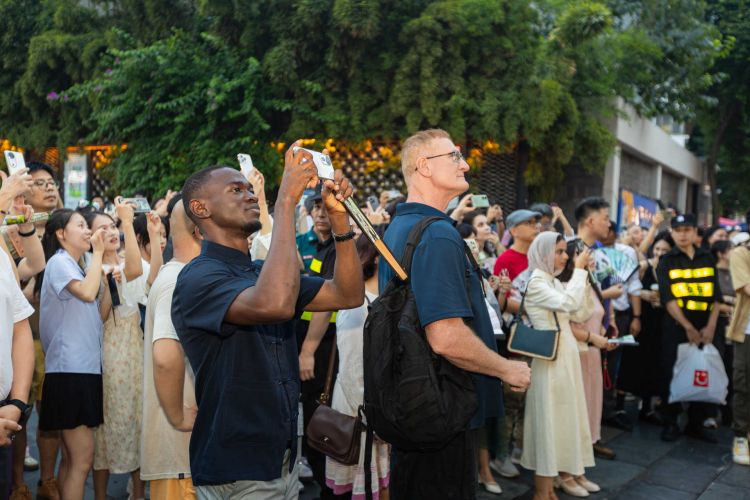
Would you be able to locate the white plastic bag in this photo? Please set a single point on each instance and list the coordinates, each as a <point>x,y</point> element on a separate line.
<point>698,375</point>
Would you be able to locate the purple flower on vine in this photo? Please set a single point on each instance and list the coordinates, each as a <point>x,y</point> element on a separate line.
<point>53,96</point>
<point>108,71</point>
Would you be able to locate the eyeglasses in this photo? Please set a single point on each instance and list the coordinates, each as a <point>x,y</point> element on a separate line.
<point>455,155</point>
<point>41,183</point>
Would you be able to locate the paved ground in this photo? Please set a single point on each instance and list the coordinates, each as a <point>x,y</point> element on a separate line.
<point>645,469</point>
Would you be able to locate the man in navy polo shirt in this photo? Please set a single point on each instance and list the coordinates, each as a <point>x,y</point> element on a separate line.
<point>235,320</point>
<point>434,169</point>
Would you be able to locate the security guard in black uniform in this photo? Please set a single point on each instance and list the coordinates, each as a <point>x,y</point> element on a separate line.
<point>689,290</point>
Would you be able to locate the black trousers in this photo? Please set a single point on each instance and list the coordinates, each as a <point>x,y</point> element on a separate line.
<point>447,474</point>
<point>5,472</point>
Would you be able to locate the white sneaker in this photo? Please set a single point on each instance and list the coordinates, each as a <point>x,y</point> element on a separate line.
<point>505,468</point>
<point>741,451</point>
<point>30,463</point>
<point>305,472</point>
<point>710,423</point>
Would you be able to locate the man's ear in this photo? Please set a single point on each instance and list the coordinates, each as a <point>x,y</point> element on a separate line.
<point>423,168</point>
<point>199,209</point>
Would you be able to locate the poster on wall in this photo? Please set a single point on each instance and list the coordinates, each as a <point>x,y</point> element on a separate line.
<point>635,209</point>
<point>75,180</point>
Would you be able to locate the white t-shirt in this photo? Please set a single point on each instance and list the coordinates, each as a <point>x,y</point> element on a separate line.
<point>164,450</point>
<point>13,308</point>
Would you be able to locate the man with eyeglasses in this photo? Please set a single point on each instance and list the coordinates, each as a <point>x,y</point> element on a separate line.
<point>44,196</point>
<point>434,170</point>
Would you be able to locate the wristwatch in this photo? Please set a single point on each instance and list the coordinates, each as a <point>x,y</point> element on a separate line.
<point>25,409</point>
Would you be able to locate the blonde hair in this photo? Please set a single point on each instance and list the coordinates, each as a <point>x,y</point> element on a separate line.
<point>413,146</point>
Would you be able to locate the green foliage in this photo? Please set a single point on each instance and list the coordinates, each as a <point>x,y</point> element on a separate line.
<point>181,104</point>
<point>188,83</point>
<point>724,117</point>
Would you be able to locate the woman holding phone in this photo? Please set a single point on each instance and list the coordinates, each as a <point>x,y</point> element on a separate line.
<point>70,325</point>
<point>117,440</point>
<point>556,435</point>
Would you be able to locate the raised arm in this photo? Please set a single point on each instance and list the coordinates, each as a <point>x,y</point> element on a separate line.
<point>87,289</point>
<point>347,288</point>
<point>153,225</point>
<point>274,296</point>
<point>133,266</point>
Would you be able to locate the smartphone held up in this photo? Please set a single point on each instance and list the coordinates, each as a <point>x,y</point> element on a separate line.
<point>325,170</point>
<point>15,161</point>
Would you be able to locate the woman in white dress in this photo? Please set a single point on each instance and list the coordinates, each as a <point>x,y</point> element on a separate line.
<point>557,439</point>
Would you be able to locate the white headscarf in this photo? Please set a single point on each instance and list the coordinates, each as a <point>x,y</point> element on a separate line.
<point>542,253</point>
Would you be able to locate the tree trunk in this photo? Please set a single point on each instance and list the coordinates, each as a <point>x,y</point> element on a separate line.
<point>725,118</point>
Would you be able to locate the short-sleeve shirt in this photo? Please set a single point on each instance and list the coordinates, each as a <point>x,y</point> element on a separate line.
<point>690,282</point>
<point>70,328</point>
<point>439,273</point>
<point>317,256</point>
<point>515,262</point>
<point>246,376</point>
<point>13,308</point>
<point>164,450</point>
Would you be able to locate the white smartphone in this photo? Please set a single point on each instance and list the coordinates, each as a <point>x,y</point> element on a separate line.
<point>246,164</point>
<point>480,201</point>
<point>322,163</point>
<point>15,161</point>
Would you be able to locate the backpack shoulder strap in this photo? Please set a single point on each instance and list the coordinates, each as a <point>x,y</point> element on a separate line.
<point>415,236</point>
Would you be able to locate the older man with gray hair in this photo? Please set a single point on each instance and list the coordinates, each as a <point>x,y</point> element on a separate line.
<point>434,170</point>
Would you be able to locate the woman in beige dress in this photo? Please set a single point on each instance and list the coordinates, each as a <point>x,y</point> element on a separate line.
<point>117,440</point>
<point>557,439</point>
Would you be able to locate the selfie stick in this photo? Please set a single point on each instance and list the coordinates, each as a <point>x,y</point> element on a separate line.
<point>364,224</point>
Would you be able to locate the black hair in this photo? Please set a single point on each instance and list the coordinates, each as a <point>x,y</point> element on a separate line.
<point>663,235</point>
<point>90,215</point>
<point>58,219</point>
<point>140,226</point>
<point>368,253</point>
<point>466,230</point>
<point>707,236</point>
<point>192,189</point>
<point>36,166</point>
<point>720,247</point>
<point>470,216</point>
<point>567,273</point>
<point>588,205</point>
<point>543,208</point>
<point>170,206</point>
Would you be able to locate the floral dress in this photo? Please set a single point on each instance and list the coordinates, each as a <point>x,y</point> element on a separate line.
<point>117,440</point>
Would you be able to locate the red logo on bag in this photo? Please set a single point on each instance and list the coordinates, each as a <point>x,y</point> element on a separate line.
<point>700,378</point>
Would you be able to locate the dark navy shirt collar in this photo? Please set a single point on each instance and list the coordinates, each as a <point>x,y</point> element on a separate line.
<point>413,208</point>
<point>224,253</point>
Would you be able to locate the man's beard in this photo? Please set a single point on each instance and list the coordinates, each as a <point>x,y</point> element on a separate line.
<point>252,227</point>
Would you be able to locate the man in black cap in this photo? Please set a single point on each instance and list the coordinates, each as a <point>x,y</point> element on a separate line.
<point>689,289</point>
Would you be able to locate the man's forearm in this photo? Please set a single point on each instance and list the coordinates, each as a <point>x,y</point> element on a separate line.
<point>280,274</point>
<point>315,331</point>
<point>463,348</point>
<point>22,356</point>
<point>347,271</point>
<point>635,301</point>
<point>169,378</point>
<point>33,262</point>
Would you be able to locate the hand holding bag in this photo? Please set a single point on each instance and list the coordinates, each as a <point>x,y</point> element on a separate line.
<point>698,375</point>
<point>530,341</point>
<point>333,433</point>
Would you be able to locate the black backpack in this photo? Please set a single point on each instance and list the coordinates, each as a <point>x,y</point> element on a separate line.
<point>413,398</point>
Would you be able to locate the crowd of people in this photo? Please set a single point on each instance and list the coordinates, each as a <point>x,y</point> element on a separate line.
<point>189,346</point>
